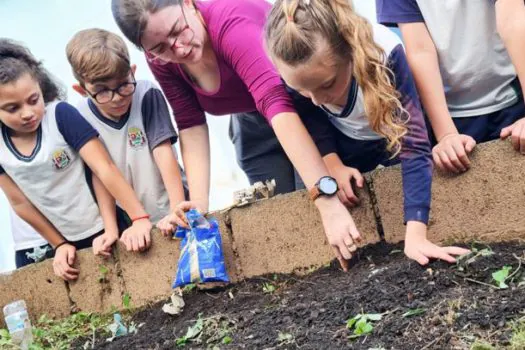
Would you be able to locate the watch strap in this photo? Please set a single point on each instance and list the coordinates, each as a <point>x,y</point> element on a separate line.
<point>314,192</point>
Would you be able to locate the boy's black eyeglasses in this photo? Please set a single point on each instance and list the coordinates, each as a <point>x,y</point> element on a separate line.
<point>106,95</point>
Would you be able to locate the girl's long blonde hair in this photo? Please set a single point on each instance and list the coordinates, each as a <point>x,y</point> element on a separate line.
<point>292,31</point>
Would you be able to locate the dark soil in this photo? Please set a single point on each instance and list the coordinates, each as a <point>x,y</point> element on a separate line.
<point>311,311</point>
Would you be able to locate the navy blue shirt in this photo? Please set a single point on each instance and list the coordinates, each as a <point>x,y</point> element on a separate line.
<point>415,155</point>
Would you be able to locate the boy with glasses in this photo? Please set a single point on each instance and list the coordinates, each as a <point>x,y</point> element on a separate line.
<point>134,123</point>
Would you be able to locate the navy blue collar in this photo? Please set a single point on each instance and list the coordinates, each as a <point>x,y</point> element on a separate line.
<point>350,102</point>
<point>12,148</point>
<point>115,125</point>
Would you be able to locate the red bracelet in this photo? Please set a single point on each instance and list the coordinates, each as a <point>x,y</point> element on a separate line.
<point>140,218</point>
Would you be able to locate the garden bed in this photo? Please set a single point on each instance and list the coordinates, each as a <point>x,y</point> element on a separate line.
<point>440,306</point>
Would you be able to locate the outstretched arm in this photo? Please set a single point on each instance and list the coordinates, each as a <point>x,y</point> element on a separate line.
<point>65,253</point>
<point>510,17</point>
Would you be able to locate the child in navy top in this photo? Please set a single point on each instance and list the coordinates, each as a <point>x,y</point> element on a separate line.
<point>43,146</point>
<point>369,109</point>
<point>134,123</point>
<point>466,57</point>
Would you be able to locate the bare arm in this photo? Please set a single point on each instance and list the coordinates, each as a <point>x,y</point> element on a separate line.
<point>98,159</point>
<point>451,151</point>
<point>106,204</point>
<point>65,254</point>
<point>195,148</point>
<point>137,237</point>
<point>423,59</point>
<point>510,17</point>
<point>169,171</point>
<point>28,212</point>
<point>300,148</point>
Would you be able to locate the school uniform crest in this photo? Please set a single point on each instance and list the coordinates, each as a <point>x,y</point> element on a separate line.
<point>136,137</point>
<point>61,159</point>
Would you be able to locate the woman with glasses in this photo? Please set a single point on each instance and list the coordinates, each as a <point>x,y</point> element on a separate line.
<point>209,57</point>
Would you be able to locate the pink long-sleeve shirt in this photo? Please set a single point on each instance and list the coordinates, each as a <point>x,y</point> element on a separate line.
<point>248,80</point>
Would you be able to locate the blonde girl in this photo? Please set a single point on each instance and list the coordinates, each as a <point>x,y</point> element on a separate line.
<point>357,73</point>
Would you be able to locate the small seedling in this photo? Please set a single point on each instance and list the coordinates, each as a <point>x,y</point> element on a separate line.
<point>362,324</point>
<point>5,340</point>
<point>471,257</point>
<point>501,276</point>
<point>227,340</point>
<point>126,301</point>
<point>268,288</point>
<point>192,333</point>
<point>517,341</point>
<point>189,287</point>
<point>481,345</point>
<point>395,251</point>
<point>413,312</point>
<point>285,338</point>
<point>103,270</point>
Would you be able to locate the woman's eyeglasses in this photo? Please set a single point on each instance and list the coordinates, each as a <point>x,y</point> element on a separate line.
<point>181,40</point>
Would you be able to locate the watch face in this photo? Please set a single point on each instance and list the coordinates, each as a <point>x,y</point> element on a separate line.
<point>328,185</point>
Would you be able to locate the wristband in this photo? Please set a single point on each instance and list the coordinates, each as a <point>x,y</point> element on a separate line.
<point>140,218</point>
<point>60,245</point>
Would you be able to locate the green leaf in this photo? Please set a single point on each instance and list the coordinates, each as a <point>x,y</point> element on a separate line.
<point>126,301</point>
<point>350,323</point>
<point>4,333</point>
<point>486,252</point>
<point>374,317</point>
<point>363,327</point>
<point>268,288</point>
<point>189,287</point>
<point>501,276</point>
<point>227,340</point>
<point>195,329</point>
<point>103,270</point>
<point>413,312</point>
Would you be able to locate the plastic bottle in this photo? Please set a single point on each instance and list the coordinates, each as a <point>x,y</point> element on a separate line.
<point>18,324</point>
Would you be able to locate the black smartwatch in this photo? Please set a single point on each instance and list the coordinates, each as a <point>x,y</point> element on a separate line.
<point>326,186</point>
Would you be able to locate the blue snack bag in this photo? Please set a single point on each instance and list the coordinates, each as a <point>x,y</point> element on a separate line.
<point>201,258</point>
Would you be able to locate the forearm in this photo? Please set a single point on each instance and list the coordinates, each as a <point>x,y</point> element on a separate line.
<point>113,180</point>
<point>106,205</point>
<point>425,67</point>
<point>166,161</point>
<point>30,214</point>
<point>299,147</point>
<point>332,162</point>
<point>195,149</point>
<point>424,64</point>
<point>510,17</point>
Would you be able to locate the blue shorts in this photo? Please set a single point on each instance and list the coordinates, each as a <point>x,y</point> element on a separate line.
<point>23,257</point>
<point>487,127</point>
<point>364,155</point>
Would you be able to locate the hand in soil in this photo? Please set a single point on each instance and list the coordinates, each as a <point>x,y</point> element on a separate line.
<point>137,238</point>
<point>103,243</point>
<point>340,228</point>
<point>420,249</point>
<point>63,262</point>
